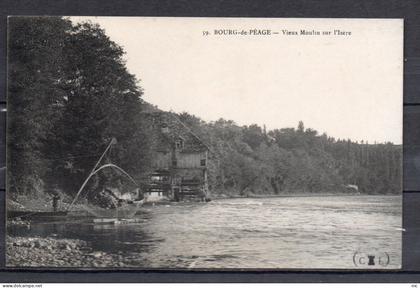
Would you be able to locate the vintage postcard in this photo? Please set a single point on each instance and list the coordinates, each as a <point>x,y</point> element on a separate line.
<point>204,143</point>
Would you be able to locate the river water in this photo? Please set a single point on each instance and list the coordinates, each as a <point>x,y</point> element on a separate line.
<point>328,232</point>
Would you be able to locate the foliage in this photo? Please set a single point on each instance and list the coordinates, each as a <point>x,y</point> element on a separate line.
<point>251,160</point>
<point>35,69</point>
<point>70,94</point>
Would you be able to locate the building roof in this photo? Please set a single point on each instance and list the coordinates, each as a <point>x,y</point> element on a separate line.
<point>167,128</point>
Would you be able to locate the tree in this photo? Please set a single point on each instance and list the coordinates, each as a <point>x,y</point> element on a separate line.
<point>102,102</point>
<point>301,127</point>
<point>69,95</point>
<point>253,135</point>
<point>34,92</point>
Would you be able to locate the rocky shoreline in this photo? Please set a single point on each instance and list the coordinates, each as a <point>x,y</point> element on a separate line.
<point>52,252</point>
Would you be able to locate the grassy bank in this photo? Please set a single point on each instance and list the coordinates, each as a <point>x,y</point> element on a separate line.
<point>41,202</point>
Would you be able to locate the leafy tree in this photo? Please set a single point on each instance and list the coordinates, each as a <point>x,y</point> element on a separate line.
<point>253,135</point>
<point>69,95</point>
<point>35,62</point>
<point>102,102</point>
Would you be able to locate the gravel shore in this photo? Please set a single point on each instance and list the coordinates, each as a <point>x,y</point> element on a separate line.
<point>52,252</point>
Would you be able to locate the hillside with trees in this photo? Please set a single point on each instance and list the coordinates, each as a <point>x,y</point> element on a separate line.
<point>250,160</point>
<point>70,93</point>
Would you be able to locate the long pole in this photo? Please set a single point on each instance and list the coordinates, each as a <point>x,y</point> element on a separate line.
<point>113,141</point>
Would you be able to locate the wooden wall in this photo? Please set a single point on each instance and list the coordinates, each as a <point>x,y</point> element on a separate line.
<point>163,160</point>
<point>191,160</point>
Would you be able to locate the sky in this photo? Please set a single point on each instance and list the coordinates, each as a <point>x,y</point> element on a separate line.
<point>348,86</point>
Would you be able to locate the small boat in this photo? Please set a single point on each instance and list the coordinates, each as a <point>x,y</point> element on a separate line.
<point>115,221</point>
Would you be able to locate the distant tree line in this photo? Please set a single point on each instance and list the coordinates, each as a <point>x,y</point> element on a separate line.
<point>70,93</point>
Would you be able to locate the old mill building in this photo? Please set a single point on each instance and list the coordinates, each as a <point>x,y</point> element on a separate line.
<point>179,160</point>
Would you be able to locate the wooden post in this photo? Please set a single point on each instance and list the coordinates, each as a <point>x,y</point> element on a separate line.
<point>206,187</point>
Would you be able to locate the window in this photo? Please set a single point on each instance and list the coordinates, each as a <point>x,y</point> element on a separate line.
<point>179,144</point>
<point>174,163</point>
<point>203,162</point>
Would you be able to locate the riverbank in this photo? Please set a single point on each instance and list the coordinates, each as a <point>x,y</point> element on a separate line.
<point>42,203</point>
<point>52,252</point>
<point>39,201</point>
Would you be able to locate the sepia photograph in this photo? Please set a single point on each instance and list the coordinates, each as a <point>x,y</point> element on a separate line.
<point>204,143</point>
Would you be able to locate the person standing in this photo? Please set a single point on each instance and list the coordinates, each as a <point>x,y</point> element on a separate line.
<point>55,200</point>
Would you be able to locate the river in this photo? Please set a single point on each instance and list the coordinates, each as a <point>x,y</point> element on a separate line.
<point>330,232</point>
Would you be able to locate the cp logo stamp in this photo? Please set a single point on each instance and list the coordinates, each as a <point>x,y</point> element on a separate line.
<point>372,259</point>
